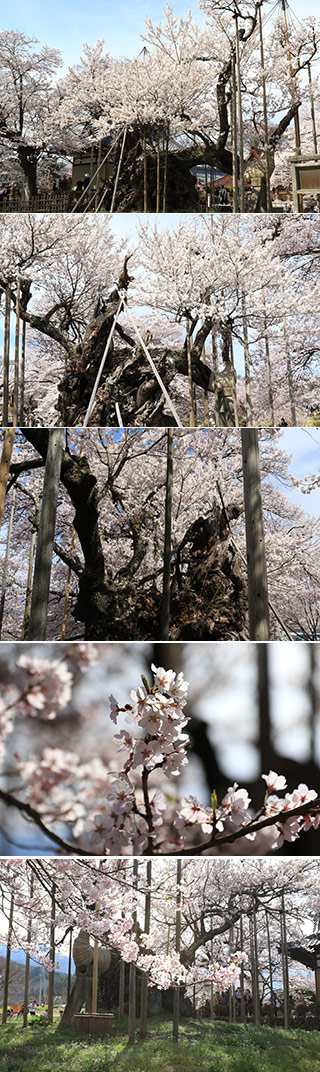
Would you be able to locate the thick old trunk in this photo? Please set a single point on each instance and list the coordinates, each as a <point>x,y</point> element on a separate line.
<point>28,160</point>
<point>208,590</point>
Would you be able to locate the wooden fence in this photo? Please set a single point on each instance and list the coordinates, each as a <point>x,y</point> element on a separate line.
<point>43,202</point>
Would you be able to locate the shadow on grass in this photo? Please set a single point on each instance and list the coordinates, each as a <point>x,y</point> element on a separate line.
<point>204,1046</point>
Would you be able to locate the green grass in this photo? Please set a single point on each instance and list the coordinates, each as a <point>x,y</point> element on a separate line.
<point>203,1047</point>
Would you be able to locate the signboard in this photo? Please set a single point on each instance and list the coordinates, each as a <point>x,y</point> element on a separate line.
<point>305,177</point>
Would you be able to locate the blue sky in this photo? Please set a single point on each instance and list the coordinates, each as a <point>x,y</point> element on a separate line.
<point>67,25</point>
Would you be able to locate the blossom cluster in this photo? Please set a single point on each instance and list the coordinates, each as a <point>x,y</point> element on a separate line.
<point>116,811</point>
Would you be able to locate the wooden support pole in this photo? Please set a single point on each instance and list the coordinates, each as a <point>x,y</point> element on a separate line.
<point>52,955</point>
<point>133,970</point>
<point>267,352</point>
<point>27,967</point>
<point>206,400</point>
<point>269,958</point>
<point>121,990</point>
<point>191,406</point>
<point>256,559</point>
<point>6,358</point>
<point>215,372</point>
<point>246,359</point>
<point>5,463</point>
<point>242,1003</point>
<point>15,407</point>
<point>285,971</point>
<point>235,179</point>
<point>165,173</point>
<point>33,540</point>
<point>6,560</point>
<point>240,122</point>
<point>234,379</point>
<point>43,562</point>
<point>22,373</point>
<point>296,118</point>
<point>96,199</point>
<point>256,995</point>
<point>144,980</point>
<point>145,175</point>
<point>287,342</point>
<point>165,602</point>
<point>265,113</point>
<point>265,745</point>
<point>176,992</point>
<point>69,964</point>
<point>67,592</point>
<point>7,967</point>
<point>158,173</point>
<point>95,971</point>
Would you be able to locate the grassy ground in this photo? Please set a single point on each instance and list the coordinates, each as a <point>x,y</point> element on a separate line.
<point>203,1047</point>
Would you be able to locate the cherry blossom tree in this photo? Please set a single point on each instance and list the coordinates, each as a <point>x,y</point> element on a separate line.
<point>29,100</point>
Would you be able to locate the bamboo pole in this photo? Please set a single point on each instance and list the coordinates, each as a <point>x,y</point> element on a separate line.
<point>43,560</point>
<point>7,967</point>
<point>287,342</point>
<point>240,123</point>
<point>52,955</point>
<point>144,980</point>
<point>265,113</point>
<point>5,463</point>
<point>15,407</point>
<point>176,992</point>
<point>6,358</point>
<point>6,560</point>
<point>235,199</point>
<point>102,364</point>
<point>132,969</point>
<point>191,405</point>
<point>27,967</point>
<point>165,602</point>
<point>256,559</point>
